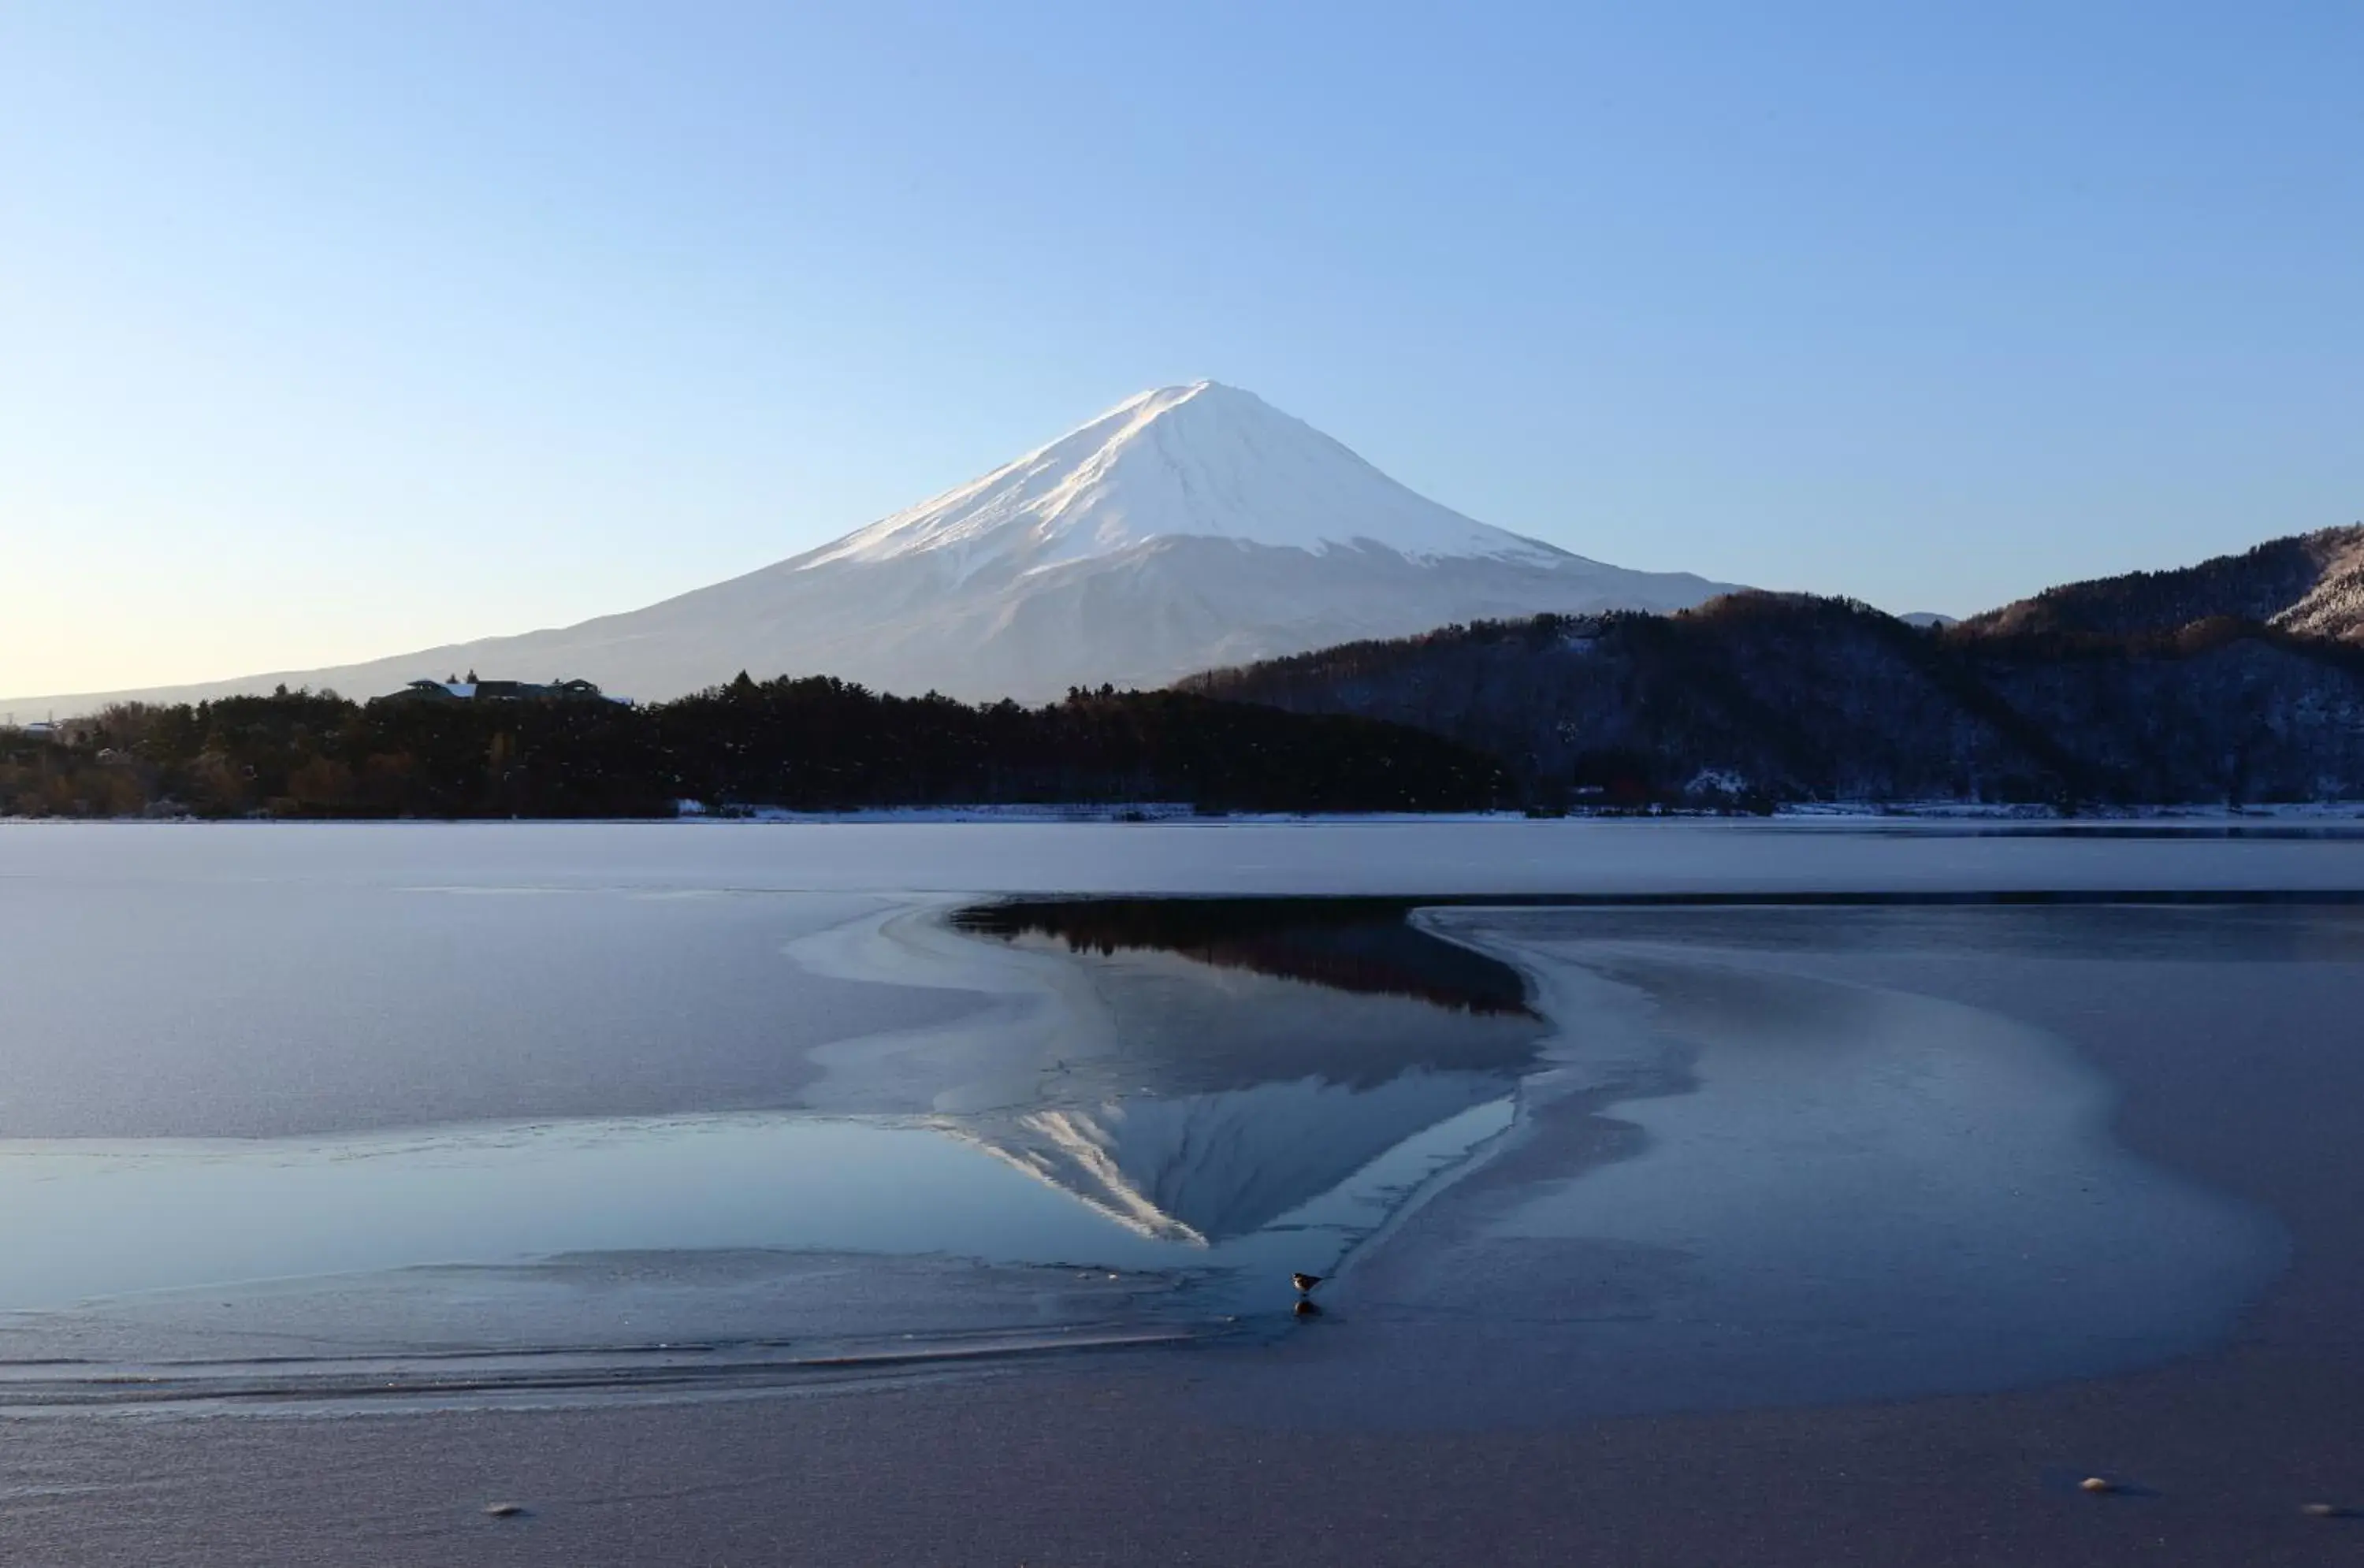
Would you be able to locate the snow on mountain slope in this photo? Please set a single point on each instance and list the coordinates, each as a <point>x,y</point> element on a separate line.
<point>1198,460</point>
<point>2333,606</point>
<point>1186,527</point>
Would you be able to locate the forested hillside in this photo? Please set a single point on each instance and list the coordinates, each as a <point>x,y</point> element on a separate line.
<point>1756,698</point>
<point>814,743</point>
<point>2312,583</point>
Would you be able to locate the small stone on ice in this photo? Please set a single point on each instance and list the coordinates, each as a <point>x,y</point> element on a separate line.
<point>2096,1484</point>
<point>504,1510</point>
<point>2322,1510</point>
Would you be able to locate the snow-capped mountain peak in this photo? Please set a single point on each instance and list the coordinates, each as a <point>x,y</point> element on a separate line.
<point>1186,527</point>
<point>1202,459</point>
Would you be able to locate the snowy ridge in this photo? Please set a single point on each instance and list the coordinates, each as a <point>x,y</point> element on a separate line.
<point>1203,460</point>
<point>2335,605</point>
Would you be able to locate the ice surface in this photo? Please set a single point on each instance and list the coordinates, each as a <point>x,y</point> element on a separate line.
<point>676,1080</point>
<point>1741,1183</point>
<point>1345,856</point>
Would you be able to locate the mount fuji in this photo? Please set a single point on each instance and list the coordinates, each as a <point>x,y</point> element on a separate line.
<point>1186,527</point>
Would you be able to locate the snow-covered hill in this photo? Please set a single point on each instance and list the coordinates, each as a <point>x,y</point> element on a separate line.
<point>1186,527</point>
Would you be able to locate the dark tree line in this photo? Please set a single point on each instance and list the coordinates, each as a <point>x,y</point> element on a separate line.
<point>814,743</point>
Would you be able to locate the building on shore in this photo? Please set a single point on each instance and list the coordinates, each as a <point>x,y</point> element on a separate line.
<point>474,690</point>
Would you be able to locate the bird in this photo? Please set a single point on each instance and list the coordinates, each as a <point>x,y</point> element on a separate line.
<point>1304,1281</point>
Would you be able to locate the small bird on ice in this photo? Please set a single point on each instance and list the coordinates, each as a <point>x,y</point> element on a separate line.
<point>1304,1282</point>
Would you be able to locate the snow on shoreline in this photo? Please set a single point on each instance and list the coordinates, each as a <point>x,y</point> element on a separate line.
<point>1842,815</point>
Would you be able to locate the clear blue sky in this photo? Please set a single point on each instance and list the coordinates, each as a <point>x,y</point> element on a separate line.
<point>332,329</point>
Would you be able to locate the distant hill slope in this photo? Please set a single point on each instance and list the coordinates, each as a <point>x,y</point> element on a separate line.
<point>2312,583</point>
<point>1759,698</point>
<point>1186,526</point>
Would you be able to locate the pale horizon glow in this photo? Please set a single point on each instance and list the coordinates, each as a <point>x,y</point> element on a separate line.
<point>332,332</point>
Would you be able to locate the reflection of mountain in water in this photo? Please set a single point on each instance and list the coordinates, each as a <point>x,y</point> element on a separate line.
<point>1258,1053</point>
<point>1210,1167</point>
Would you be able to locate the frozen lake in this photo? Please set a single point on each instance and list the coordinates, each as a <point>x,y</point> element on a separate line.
<point>488,1109</point>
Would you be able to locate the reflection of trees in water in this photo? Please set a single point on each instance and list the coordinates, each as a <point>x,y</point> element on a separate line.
<point>1348,944</point>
